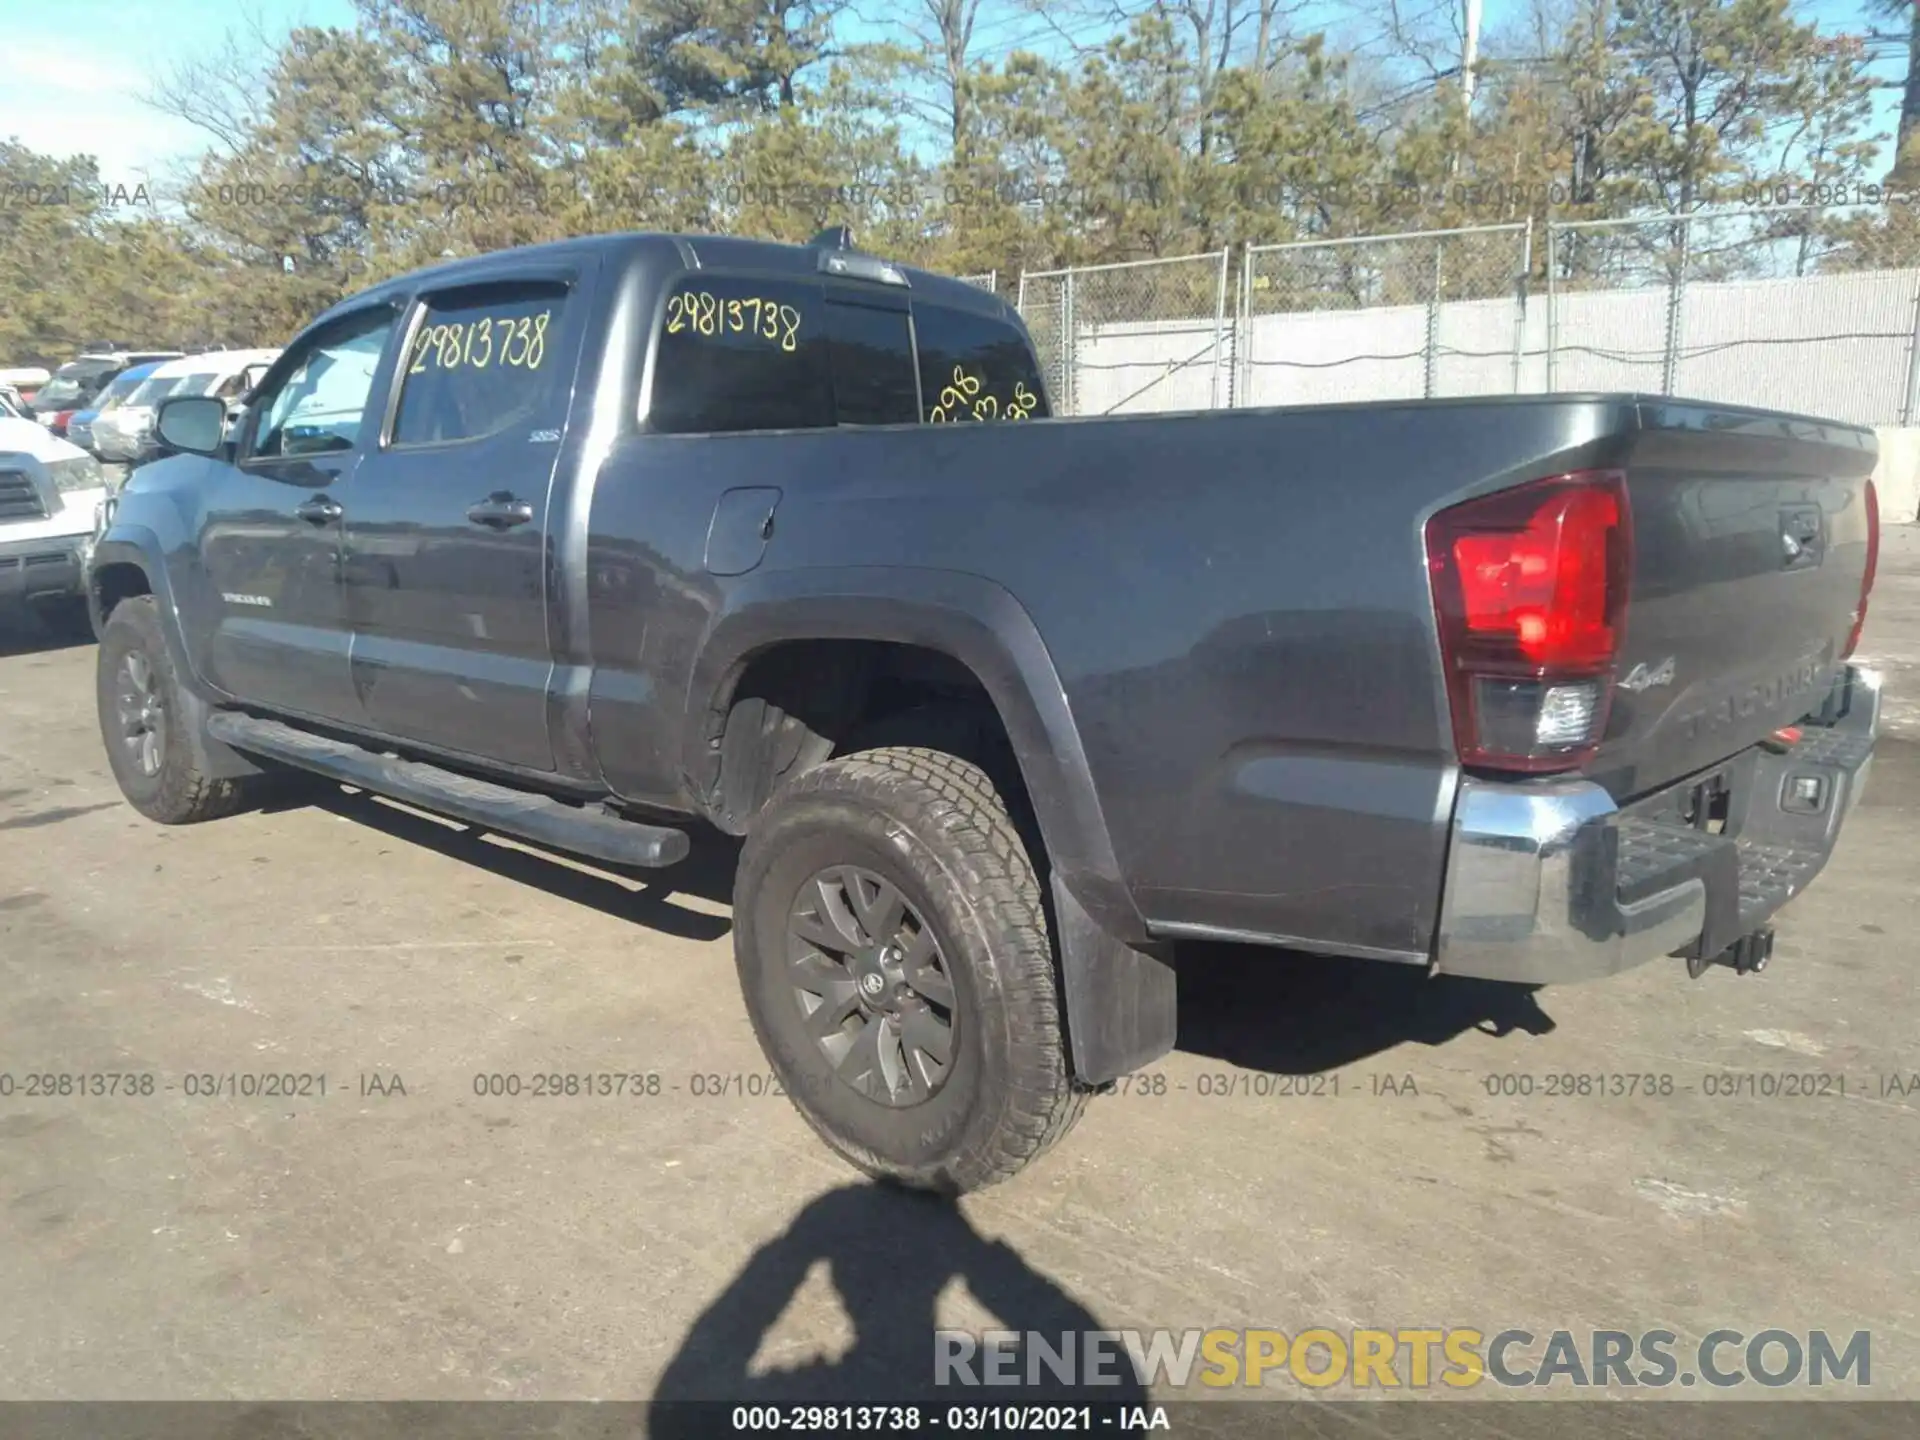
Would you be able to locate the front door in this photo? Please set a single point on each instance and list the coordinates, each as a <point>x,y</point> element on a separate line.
<point>271,536</point>
<point>445,543</point>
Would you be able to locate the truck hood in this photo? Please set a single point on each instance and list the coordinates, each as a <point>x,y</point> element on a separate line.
<point>27,437</point>
<point>74,517</point>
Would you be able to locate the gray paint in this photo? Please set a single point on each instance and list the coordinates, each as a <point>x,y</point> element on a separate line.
<point>1210,636</point>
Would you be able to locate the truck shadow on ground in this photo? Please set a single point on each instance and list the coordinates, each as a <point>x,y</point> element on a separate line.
<point>1278,1011</point>
<point>1290,1013</point>
<point>645,897</point>
<point>889,1253</point>
<point>26,634</point>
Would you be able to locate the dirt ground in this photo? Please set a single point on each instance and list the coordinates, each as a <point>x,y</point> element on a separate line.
<point>403,1235</point>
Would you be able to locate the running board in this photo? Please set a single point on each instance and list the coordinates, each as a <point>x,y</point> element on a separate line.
<point>594,833</point>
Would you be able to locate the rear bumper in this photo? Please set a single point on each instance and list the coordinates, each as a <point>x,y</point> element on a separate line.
<point>1550,883</point>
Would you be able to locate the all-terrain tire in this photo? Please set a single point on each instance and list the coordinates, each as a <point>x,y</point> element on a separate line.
<point>178,792</point>
<point>934,826</point>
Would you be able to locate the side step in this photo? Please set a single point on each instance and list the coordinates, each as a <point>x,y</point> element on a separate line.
<point>478,802</point>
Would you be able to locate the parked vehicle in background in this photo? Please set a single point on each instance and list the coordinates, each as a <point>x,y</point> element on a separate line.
<point>80,427</point>
<point>74,385</point>
<point>125,434</point>
<point>50,495</point>
<point>11,405</point>
<point>596,542</point>
<point>23,381</point>
<point>226,375</point>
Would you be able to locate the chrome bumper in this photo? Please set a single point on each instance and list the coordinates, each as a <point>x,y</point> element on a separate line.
<point>1537,887</point>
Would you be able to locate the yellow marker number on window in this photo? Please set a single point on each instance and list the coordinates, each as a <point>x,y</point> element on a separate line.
<point>964,399</point>
<point>700,312</point>
<point>510,340</point>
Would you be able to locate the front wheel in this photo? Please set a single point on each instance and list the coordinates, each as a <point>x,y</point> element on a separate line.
<point>143,721</point>
<point>894,958</point>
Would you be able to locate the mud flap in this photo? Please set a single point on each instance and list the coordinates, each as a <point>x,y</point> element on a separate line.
<point>1122,1002</point>
<point>213,758</point>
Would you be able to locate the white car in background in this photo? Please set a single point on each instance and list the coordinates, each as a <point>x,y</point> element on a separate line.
<point>50,492</point>
<point>80,426</point>
<point>126,432</point>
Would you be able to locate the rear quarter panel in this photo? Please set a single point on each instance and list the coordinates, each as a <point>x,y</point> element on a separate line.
<point>1238,610</point>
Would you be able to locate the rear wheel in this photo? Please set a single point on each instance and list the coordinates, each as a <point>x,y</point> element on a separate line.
<point>143,720</point>
<point>894,957</point>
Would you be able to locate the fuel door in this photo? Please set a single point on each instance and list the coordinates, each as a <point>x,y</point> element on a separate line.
<point>741,526</point>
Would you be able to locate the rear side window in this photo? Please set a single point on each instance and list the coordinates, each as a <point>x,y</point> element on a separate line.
<point>484,359</point>
<point>741,353</point>
<point>872,361</point>
<point>973,367</point>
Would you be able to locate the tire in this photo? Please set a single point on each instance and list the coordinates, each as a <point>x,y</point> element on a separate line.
<point>932,826</point>
<point>175,790</point>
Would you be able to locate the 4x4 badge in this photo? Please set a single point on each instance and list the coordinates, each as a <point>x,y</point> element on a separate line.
<point>1644,676</point>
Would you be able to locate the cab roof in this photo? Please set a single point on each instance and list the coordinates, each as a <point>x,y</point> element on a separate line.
<point>684,252</point>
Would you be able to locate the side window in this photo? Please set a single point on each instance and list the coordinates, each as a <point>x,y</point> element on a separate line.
<point>973,367</point>
<point>871,353</point>
<point>318,404</point>
<point>484,359</point>
<point>739,353</point>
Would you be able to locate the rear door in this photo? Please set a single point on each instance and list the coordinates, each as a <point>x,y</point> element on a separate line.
<point>446,540</point>
<point>1750,536</point>
<point>270,537</point>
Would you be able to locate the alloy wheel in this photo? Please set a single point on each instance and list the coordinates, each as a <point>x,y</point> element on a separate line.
<point>872,985</point>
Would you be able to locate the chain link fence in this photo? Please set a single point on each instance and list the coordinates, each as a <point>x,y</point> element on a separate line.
<point>988,281</point>
<point>1142,335</point>
<point>1789,308</point>
<point>1810,309</point>
<point>1380,317</point>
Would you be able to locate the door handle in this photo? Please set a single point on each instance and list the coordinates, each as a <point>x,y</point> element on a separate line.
<point>500,511</point>
<point>320,510</point>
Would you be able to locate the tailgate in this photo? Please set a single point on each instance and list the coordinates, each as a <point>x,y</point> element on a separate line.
<point>1750,537</point>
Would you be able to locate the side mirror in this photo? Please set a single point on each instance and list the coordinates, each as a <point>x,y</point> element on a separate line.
<point>193,423</point>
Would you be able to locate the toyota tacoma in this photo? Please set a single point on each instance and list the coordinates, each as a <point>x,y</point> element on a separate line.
<point>595,543</point>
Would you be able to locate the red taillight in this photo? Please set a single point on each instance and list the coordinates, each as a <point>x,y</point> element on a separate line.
<point>1529,586</point>
<point>1873,564</point>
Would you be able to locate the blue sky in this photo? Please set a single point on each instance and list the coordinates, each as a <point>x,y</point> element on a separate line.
<point>72,72</point>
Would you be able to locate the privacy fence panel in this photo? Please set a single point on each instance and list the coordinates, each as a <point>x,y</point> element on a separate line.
<point>1776,308</point>
<point>1382,317</point>
<point>1131,338</point>
<point>1745,307</point>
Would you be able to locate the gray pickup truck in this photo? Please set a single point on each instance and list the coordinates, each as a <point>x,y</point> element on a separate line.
<point>595,543</point>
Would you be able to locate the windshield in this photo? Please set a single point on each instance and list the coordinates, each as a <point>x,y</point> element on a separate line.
<point>71,383</point>
<point>119,390</point>
<point>157,389</point>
